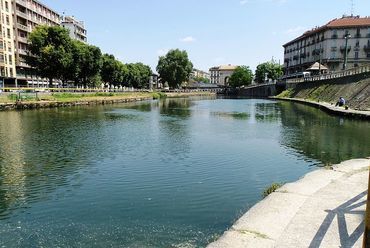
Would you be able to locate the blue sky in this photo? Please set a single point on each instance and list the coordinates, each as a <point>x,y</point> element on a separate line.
<point>214,32</point>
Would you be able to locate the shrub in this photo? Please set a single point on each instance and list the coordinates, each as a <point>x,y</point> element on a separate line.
<point>271,189</point>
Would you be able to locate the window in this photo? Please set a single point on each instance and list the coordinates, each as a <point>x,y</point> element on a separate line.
<point>10,59</point>
<point>332,56</point>
<point>8,33</point>
<point>6,6</point>
<point>368,55</point>
<point>357,43</point>
<point>7,20</point>
<point>356,55</point>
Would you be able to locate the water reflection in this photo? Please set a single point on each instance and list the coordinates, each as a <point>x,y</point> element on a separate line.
<point>319,136</point>
<point>158,173</point>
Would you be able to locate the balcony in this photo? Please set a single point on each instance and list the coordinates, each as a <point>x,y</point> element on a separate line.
<point>22,14</point>
<point>23,27</point>
<point>343,48</point>
<point>22,52</point>
<point>21,2</point>
<point>22,39</point>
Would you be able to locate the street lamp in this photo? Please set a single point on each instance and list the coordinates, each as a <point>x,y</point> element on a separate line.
<point>347,37</point>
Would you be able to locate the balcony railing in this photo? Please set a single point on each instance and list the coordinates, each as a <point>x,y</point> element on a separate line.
<point>23,27</point>
<point>22,14</point>
<point>22,39</point>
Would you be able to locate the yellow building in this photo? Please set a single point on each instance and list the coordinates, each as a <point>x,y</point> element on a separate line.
<point>220,75</point>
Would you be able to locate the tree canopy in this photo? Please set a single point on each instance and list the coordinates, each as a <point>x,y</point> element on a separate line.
<point>270,69</point>
<point>242,75</point>
<point>50,52</point>
<point>174,68</point>
<point>54,55</point>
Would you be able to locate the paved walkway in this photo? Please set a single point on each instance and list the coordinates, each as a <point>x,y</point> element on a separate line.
<point>330,108</point>
<point>324,209</point>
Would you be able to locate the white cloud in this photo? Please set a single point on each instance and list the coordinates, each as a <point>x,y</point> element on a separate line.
<point>162,51</point>
<point>188,39</point>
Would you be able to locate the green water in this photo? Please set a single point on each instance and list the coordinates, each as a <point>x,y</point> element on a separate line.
<point>171,173</point>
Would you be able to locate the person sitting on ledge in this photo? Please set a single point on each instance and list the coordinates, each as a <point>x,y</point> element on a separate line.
<point>341,102</point>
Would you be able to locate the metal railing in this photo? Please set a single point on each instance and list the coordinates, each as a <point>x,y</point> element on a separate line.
<point>332,75</point>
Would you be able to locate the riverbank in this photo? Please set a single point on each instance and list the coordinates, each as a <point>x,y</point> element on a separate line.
<point>8,102</point>
<point>330,108</point>
<point>323,209</point>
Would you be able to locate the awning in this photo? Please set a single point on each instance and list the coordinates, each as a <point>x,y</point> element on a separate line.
<point>317,66</point>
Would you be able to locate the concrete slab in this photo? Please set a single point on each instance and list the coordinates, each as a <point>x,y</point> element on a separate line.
<point>324,209</point>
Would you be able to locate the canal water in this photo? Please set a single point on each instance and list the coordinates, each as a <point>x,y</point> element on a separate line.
<point>169,173</point>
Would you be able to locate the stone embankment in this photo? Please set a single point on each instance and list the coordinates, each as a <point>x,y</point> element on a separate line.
<point>57,104</point>
<point>22,105</point>
<point>325,208</point>
<point>331,108</point>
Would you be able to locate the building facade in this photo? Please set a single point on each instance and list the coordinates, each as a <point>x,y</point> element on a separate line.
<point>220,75</point>
<point>76,28</point>
<point>7,58</point>
<point>330,45</point>
<point>27,14</point>
<point>200,74</point>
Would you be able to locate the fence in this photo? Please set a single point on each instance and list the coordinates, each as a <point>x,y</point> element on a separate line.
<point>332,75</point>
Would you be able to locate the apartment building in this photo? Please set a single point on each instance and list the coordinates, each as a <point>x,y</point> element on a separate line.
<point>7,59</point>
<point>76,28</point>
<point>330,45</point>
<point>220,75</point>
<point>27,14</point>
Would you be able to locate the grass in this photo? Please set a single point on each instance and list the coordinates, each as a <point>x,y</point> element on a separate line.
<point>286,93</point>
<point>271,189</point>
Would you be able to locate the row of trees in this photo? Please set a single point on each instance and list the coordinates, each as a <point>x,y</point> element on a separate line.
<point>243,75</point>
<point>54,55</point>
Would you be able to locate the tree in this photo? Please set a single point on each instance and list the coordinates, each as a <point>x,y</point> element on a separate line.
<point>112,71</point>
<point>242,75</point>
<point>50,52</point>
<point>88,62</point>
<point>174,68</point>
<point>201,80</point>
<point>270,69</point>
<point>138,75</point>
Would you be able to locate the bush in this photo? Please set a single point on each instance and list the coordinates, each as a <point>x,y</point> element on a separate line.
<point>159,95</point>
<point>104,94</point>
<point>271,189</point>
<point>66,95</point>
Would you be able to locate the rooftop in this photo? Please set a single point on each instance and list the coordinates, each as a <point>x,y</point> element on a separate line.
<point>344,22</point>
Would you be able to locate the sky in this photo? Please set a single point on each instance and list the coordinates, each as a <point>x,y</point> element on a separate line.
<point>213,32</point>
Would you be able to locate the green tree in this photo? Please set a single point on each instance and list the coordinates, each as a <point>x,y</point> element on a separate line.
<point>112,71</point>
<point>242,75</point>
<point>138,75</point>
<point>201,79</point>
<point>174,68</point>
<point>87,63</point>
<point>270,69</point>
<point>50,52</point>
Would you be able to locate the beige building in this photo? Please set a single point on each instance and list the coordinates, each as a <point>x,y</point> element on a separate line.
<point>220,75</point>
<point>7,59</point>
<point>327,45</point>
<point>76,28</point>
<point>199,74</point>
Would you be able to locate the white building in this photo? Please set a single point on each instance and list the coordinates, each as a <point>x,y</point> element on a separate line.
<point>76,28</point>
<point>327,45</point>
<point>220,75</point>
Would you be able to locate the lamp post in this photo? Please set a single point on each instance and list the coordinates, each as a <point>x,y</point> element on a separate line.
<point>347,36</point>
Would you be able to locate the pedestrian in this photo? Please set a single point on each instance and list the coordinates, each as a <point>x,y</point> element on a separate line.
<point>341,102</point>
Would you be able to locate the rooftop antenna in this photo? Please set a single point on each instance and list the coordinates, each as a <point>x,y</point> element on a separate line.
<point>352,7</point>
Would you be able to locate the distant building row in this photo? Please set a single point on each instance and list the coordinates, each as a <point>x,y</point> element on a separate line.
<point>17,19</point>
